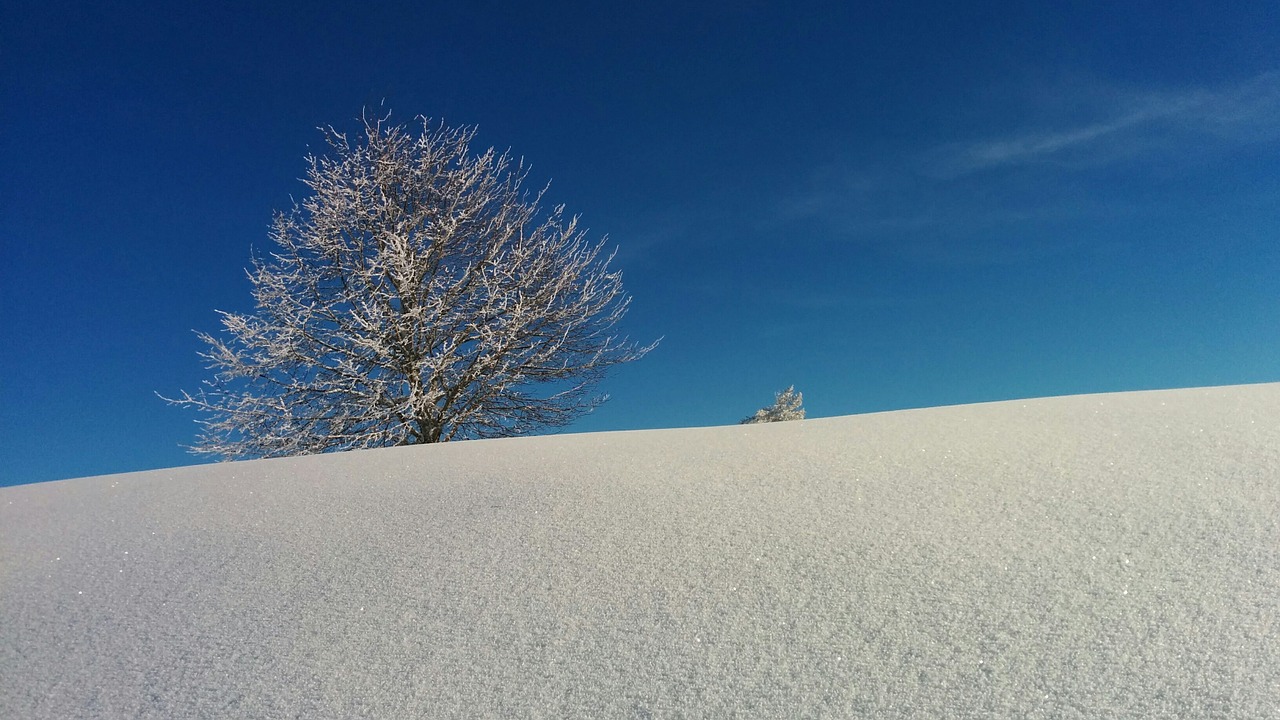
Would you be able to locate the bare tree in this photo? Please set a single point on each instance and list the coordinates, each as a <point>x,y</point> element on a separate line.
<point>786,406</point>
<point>418,295</point>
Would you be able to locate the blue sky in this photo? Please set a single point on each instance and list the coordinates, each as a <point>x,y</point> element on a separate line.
<point>890,205</point>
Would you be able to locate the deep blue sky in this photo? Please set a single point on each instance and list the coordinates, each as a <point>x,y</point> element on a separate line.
<point>889,205</point>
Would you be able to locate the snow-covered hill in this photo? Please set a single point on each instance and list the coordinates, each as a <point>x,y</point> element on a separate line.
<point>1078,557</point>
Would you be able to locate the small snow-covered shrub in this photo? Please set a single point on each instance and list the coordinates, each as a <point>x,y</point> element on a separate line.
<point>786,406</point>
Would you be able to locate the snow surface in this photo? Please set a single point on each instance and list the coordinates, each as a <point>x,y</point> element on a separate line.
<point>1078,557</point>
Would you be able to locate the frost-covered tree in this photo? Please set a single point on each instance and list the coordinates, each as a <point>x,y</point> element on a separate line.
<point>786,406</point>
<point>419,294</point>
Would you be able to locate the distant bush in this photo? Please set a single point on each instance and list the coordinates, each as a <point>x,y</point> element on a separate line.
<point>786,406</point>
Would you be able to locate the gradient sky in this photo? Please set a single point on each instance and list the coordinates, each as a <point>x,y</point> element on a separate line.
<point>889,205</point>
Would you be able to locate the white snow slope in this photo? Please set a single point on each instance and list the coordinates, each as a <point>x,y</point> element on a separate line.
<point>1094,556</point>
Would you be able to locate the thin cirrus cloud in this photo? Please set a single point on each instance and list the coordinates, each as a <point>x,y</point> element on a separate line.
<point>1133,124</point>
<point>1028,195</point>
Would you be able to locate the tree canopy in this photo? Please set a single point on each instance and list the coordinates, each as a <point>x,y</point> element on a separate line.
<point>419,294</point>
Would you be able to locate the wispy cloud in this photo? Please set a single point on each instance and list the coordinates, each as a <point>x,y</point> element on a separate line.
<point>1097,164</point>
<point>1130,124</point>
